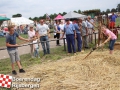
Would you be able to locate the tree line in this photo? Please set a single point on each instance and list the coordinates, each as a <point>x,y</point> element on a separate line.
<point>52,16</point>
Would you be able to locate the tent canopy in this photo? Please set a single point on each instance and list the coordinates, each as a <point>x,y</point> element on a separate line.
<point>74,15</point>
<point>59,17</point>
<point>4,18</point>
<point>21,20</point>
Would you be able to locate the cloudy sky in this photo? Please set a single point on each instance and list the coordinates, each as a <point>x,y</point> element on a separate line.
<point>36,8</point>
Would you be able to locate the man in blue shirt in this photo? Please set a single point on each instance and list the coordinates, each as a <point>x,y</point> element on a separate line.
<point>12,48</point>
<point>70,36</point>
<point>112,20</point>
<point>78,35</point>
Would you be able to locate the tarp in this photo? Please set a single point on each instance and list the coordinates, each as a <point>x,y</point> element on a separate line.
<point>21,20</point>
<point>59,17</point>
<point>4,18</point>
<point>74,15</point>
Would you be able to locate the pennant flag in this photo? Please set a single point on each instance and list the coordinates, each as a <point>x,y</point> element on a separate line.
<point>47,16</point>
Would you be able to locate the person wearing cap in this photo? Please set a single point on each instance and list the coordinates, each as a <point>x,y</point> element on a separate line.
<point>70,36</point>
<point>84,31</point>
<point>31,33</point>
<point>78,34</point>
<point>43,31</point>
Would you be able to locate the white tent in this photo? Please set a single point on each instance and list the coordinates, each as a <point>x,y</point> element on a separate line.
<point>21,20</point>
<point>74,15</point>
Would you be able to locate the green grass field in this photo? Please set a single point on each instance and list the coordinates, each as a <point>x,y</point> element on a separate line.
<point>3,39</point>
<point>26,60</point>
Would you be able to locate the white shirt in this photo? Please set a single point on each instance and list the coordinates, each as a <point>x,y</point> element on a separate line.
<point>62,26</point>
<point>89,25</point>
<point>36,43</point>
<point>31,34</point>
<point>42,29</point>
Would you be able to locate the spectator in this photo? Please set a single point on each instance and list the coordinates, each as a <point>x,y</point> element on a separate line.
<point>31,33</point>
<point>57,28</point>
<point>43,30</point>
<point>26,29</point>
<point>36,46</point>
<point>12,48</point>
<point>90,28</point>
<point>78,35</point>
<point>84,31</point>
<point>70,36</point>
<point>62,29</point>
<point>112,20</point>
<point>21,29</point>
<point>18,30</point>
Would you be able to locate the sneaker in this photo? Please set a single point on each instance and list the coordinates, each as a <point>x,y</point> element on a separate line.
<point>14,72</point>
<point>68,54</point>
<point>75,54</point>
<point>21,71</point>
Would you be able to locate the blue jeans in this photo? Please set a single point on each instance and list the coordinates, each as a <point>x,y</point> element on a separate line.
<point>36,52</point>
<point>45,45</point>
<point>79,42</point>
<point>70,41</point>
<point>111,44</point>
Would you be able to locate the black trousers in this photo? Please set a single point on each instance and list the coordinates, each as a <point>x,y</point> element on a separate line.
<point>58,37</point>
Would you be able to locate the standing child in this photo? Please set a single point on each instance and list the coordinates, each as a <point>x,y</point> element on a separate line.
<point>36,46</point>
<point>13,50</point>
<point>111,37</point>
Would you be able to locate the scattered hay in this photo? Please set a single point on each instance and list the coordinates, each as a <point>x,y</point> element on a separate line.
<point>100,71</point>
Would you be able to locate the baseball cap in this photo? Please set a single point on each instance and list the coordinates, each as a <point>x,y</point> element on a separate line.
<point>67,19</point>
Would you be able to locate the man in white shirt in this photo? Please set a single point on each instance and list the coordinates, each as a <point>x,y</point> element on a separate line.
<point>43,30</point>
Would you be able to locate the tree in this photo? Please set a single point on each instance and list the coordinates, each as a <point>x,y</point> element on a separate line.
<point>17,15</point>
<point>60,13</point>
<point>103,12</point>
<point>30,18</point>
<point>35,18</point>
<point>75,11</point>
<point>64,13</point>
<point>108,11</point>
<point>118,7</point>
<point>113,10</point>
<point>79,11</point>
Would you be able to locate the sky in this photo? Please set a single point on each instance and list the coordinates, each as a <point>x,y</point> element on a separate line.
<point>37,8</point>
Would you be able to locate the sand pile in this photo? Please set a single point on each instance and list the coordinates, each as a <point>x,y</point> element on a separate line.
<point>100,71</point>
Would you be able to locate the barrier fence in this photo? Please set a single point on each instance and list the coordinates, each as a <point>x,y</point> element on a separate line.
<point>95,38</point>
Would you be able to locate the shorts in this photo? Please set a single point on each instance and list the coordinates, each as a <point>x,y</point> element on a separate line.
<point>111,44</point>
<point>112,24</point>
<point>14,55</point>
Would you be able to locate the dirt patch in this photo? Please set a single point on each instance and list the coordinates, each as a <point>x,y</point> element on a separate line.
<point>117,46</point>
<point>100,71</point>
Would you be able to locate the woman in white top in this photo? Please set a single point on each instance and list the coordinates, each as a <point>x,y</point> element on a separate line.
<point>31,33</point>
